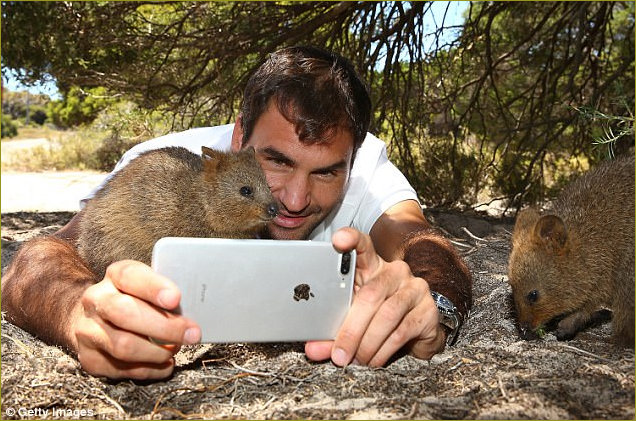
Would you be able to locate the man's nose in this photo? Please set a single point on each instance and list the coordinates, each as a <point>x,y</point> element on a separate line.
<point>296,193</point>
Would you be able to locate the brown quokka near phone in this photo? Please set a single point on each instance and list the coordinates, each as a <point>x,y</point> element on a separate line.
<point>579,257</point>
<point>172,192</point>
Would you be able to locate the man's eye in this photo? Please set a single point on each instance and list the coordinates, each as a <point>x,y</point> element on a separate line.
<point>278,162</point>
<point>327,174</point>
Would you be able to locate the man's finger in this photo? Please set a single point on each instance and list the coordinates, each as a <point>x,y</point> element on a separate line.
<point>121,345</point>
<point>98,363</point>
<point>409,328</point>
<point>134,315</point>
<point>425,349</point>
<point>139,280</point>
<point>390,323</point>
<point>318,350</point>
<point>365,304</point>
<point>347,239</point>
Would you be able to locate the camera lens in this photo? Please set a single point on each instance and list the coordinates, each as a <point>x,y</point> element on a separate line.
<point>345,263</point>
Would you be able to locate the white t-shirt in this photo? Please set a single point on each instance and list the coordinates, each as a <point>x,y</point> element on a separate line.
<point>374,186</point>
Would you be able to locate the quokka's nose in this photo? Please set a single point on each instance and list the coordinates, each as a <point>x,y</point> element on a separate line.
<point>272,209</point>
<point>527,333</point>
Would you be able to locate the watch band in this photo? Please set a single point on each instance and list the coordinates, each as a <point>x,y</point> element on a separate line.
<point>448,316</point>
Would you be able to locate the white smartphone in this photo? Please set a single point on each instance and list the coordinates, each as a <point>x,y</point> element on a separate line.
<point>259,290</point>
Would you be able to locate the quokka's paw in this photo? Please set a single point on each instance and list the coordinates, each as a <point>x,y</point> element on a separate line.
<point>564,334</point>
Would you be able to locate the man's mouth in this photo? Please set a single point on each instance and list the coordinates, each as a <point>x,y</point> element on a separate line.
<point>291,222</point>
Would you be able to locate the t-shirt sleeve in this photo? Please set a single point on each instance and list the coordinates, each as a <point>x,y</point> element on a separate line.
<point>387,187</point>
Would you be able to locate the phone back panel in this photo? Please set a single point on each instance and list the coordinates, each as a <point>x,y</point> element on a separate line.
<point>258,290</point>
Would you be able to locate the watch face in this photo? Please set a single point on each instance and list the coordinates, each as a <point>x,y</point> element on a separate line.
<point>446,310</point>
<point>443,302</point>
<point>448,316</point>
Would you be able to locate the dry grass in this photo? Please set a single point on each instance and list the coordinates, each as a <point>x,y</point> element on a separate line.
<point>35,132</point>
<point>42,148</point>
<point>489,374</point>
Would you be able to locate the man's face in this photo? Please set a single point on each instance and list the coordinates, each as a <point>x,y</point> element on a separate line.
<point>307,180</point>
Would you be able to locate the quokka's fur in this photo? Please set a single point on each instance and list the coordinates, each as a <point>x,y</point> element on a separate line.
<point>579,257</point>
<point>174,192</point>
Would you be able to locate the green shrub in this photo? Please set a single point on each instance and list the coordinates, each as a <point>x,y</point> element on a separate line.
<point>79,107</point>
<point>9,128</point>
<point>95,146</point>
<point>126,125</point>
<point>38,114</point>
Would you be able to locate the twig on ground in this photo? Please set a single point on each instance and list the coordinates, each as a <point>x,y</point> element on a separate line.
<point>583,352</point>
<point>20,345</point>
<point>502,388</point>
<point>473,236</point>
<point>255,373</point>
<point>457,243</point>
<point>157,408</point>
<point>471,251</point>
<point>180,414</point>
<point>212,360</point>
<point>111,401</point>
<point>266,404</point>
<point>412,412</point>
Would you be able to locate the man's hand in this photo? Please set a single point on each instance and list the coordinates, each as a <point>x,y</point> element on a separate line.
<point>118,316</point>
<point>391,308</point>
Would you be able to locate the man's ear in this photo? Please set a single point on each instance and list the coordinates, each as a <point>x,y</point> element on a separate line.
<point>237,134</point>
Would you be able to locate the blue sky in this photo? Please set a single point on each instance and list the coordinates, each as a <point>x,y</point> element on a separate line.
<point>453,17</point>
<point>48,88</point>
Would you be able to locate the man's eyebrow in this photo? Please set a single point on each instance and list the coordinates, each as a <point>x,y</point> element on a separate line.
<point>333,167</point>
<point>279,156</point>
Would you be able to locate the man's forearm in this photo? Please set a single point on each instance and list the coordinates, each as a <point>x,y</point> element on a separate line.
<point>433,258</point>
<point>42,287</point>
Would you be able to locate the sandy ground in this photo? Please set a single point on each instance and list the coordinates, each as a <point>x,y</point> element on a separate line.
<point>8,147</point>
<point>489,374</point>
<point>47,191</point>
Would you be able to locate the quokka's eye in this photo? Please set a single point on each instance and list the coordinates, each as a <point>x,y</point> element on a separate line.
<point>246,191</point>
<point>533,296</point>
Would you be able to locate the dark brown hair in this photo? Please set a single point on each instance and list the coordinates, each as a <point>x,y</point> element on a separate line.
<point>316,90</point>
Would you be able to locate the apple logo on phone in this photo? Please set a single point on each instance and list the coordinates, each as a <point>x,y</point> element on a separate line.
<point>302,292</point>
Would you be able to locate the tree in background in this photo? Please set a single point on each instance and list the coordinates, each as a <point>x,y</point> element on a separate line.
<point>24,106</point>
<point>492,109</point>
<point>9,128</point>
<point>79,106</point>
<point>535,64</point>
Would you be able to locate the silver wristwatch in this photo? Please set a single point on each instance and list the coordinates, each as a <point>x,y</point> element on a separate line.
<point>448,316</point>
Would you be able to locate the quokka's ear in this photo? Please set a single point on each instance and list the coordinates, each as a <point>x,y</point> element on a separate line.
<point>250,151</point>
<point>212,162</point>
<point>210,153</point>
<point>526,220</point>
<point>550,230</point>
